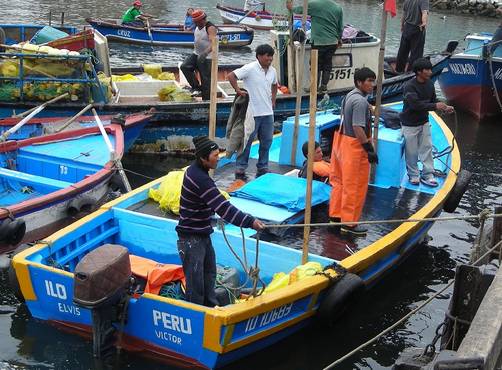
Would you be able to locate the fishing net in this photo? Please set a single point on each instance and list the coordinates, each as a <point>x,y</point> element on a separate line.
<point>53,73</point>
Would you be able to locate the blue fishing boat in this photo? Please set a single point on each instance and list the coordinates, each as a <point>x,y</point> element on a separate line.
<point>46,179</point>
<point>472,81</point>
<point>60,287</point>
<point>161,34</point>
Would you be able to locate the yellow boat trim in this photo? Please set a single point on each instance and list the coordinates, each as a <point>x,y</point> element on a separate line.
<point>228,334</point>
<point>212,342</point>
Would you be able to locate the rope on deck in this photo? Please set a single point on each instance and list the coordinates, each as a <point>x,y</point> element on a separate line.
<point>483,215</point>
<point>412,312</point>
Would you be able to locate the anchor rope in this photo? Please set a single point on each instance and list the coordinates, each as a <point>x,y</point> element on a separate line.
<point>482,215</point>
<point>412,312</point>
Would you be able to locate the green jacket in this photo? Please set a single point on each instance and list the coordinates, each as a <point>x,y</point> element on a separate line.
<point>130,15</point>
<point>327,21</point>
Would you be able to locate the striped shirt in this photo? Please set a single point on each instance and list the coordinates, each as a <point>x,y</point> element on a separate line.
<point>200,199</point>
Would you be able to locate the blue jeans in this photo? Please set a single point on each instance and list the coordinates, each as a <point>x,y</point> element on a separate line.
<point>199,265</point>
<point>264,128</point>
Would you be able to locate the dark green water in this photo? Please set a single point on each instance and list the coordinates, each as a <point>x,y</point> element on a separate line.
<point>28,344</point>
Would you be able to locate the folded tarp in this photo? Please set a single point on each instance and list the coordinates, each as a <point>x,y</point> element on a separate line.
<point>283,191</point>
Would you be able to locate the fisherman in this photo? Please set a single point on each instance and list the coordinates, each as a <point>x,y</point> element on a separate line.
<point>352,154</point>
<point>260,81</point>
<point>320,167</point>
<point>200,59</point>
<point>200,199</point>
<point>189,24</point>
<point>413,24</point>
<point>326,35</point>
<point>419,96</point>
<point>134,17</point>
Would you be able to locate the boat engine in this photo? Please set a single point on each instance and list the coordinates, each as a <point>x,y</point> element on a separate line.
<point>102,283</point>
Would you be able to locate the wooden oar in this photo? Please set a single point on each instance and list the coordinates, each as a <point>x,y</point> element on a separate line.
<point>245,15</point>
<point>25,113</point>
<point>72,119</point>
<point>213,96</point>
<point>113,154</point>
<point>148,28</point>
<point>30,115</point>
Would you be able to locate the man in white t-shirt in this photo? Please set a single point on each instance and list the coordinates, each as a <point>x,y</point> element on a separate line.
<point>260,81</point>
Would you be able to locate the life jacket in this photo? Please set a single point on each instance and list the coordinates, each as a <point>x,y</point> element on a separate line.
<point>156,274</point>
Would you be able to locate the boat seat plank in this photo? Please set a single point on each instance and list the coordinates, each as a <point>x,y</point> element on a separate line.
<point>33,179</point>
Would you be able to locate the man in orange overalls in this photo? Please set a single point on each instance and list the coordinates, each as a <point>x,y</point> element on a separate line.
<point>352,154</point>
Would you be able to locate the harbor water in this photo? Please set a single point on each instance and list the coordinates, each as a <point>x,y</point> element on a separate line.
<point>28,344</point>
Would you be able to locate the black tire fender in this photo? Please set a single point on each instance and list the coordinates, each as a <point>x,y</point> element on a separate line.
<point>339,297</point>
<point>460,187</point>
<point>116,184</point>
<point>12,231</point>
<point>11,274</point>
<point>81,205</point>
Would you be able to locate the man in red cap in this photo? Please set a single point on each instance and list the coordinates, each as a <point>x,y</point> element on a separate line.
<point>134,17</point>
<point>200,59</point>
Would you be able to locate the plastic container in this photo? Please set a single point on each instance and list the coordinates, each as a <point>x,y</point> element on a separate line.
<point>47,34</point>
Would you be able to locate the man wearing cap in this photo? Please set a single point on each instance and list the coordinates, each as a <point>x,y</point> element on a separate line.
<point>134,17</point>
<point>200,59</point>
<point>200,199</point>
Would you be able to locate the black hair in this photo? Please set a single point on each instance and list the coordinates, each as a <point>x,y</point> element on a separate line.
<point>264,49</point>
<point>305,148</point>
<point>362,74</point>
<point>420,64</point>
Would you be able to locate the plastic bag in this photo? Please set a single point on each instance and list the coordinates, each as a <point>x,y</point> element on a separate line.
<point>301,272</point>
<point>169,192</point>
<point>126,77</point>
<point>280,280</point>
<point>153,70</point>
<point>166,76</point>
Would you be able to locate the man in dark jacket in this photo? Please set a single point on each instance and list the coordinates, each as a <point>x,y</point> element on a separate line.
<point>419,98</point>
<point>413,24</point>
<point>200,199</point>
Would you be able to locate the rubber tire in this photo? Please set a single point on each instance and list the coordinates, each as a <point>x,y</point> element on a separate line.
<point>17,231</point>
<point>339,297</point>
<point>460,187</point>
<point>116,184</point>
<point>11,274</point>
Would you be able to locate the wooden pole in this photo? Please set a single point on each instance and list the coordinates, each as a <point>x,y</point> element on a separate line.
<point>214,89</point>
<point>214,92</point>
<point>378,100</point>
<point>310,160</point>
<point>72,119</point>
<point>299,83</point>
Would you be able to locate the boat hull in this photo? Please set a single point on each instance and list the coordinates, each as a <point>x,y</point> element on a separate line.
<point>260,20</point>
<point>169,35</point>
<point>467,84</point>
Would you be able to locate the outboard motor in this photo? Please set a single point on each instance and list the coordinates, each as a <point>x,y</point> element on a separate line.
<point>102,281</point>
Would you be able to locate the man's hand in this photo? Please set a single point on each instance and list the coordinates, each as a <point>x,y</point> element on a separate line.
<point>444,107</point>
<point>372,156</point>
<point>258,225</point>
<point>240,92</point>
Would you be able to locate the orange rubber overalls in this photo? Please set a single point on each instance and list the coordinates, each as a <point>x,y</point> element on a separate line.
<point>349,175</point>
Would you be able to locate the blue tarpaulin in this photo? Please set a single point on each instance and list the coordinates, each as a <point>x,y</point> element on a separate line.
<point>283,191</point>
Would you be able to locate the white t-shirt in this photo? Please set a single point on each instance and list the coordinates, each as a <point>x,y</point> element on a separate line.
<point>258,83</point>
